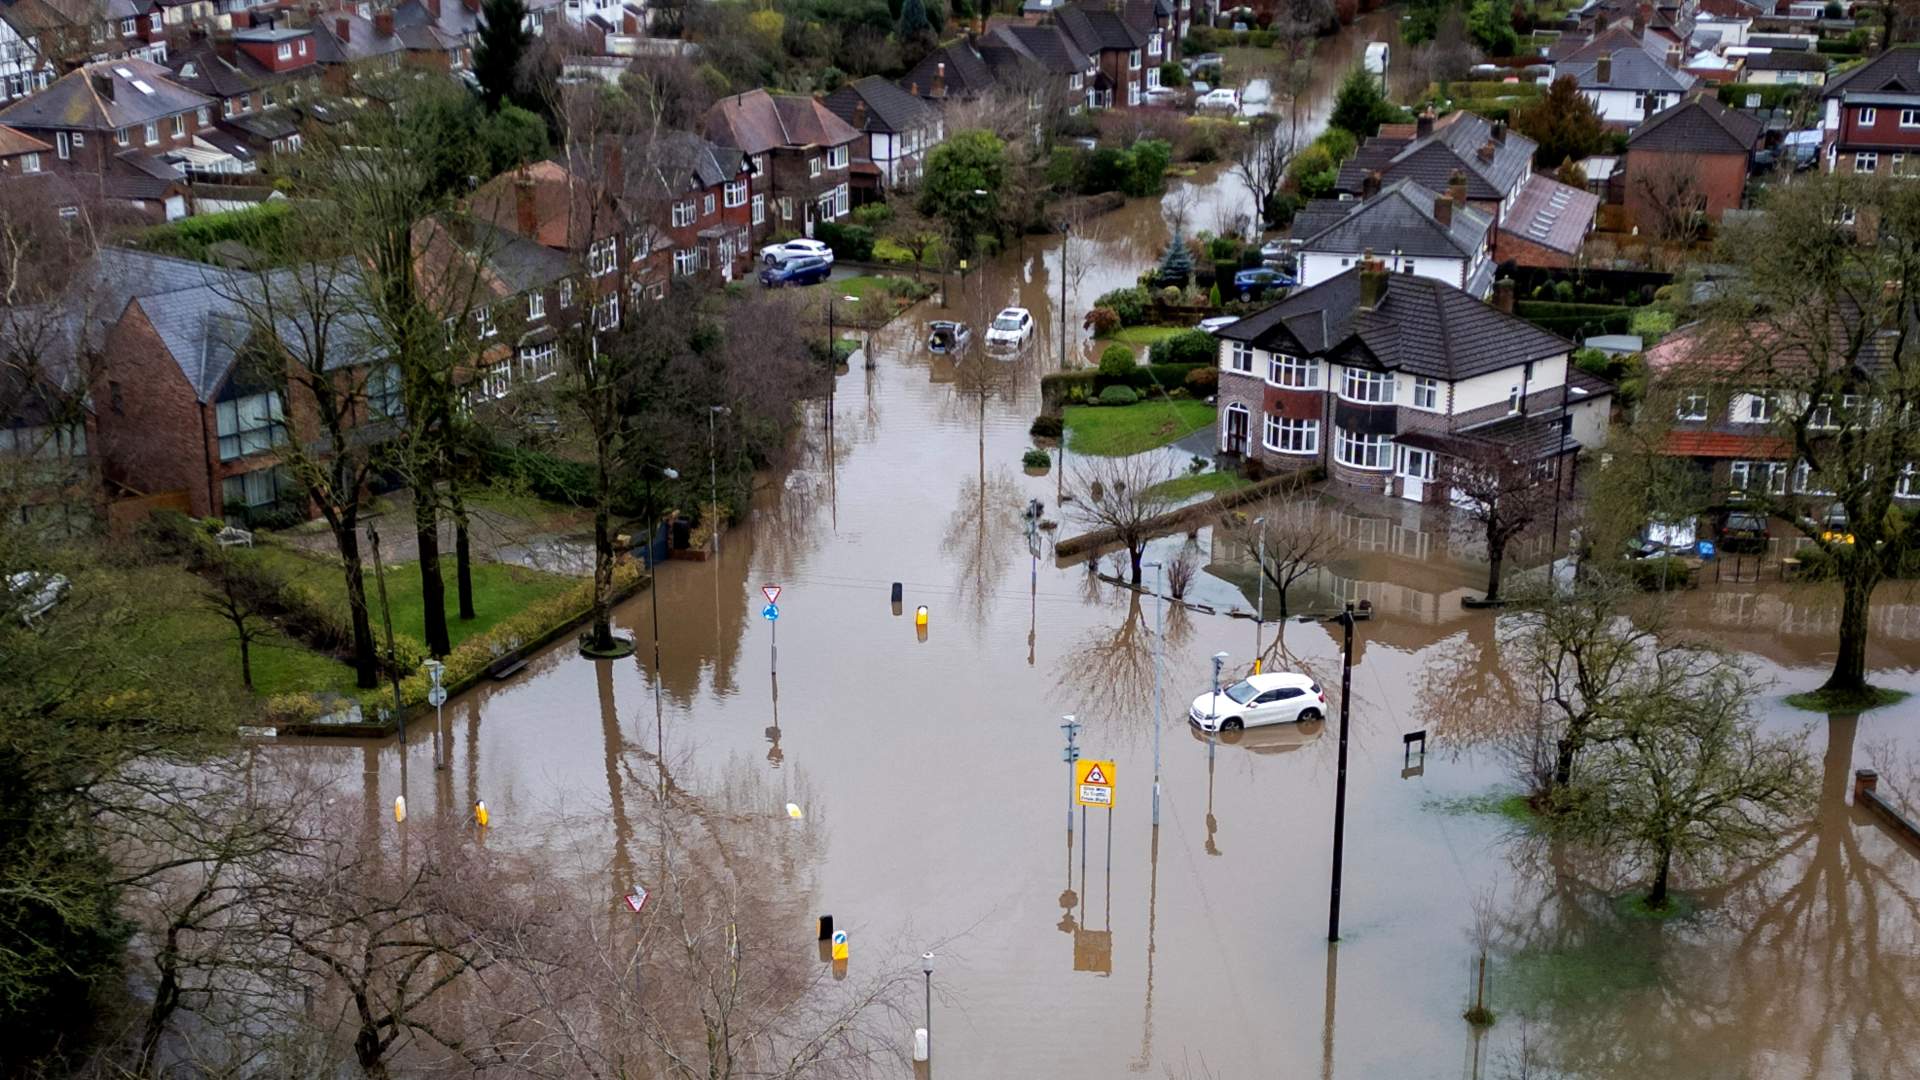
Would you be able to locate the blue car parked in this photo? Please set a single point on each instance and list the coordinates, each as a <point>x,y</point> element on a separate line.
<point>1257,282</point>
<point>802,270</point>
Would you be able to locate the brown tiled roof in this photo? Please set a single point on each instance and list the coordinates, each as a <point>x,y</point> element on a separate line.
<point>19,142</point>
<point>757,122</point>
<point>1720,444</point>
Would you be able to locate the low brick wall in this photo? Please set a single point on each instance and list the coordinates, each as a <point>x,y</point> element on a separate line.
<point>1075,548</point>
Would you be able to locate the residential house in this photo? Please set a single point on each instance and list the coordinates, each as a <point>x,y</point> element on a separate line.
<point>955,71</point>
<point>23,68</point>
<point>1126,44</point>
<point>1042,56</point>
<point>1785,67</point>
<point>1698,150</point>
<point>896,130</point>
<point>1408,228</point>
<point>1535,216</point>
<point>1627,77</point>
<point>701,218</point>
<point>515,294</point>
<point>1379,376</point>
<point>346,41</point>
<point>1870,119</point>
<point>582,218</point>
<point>21,154</point>
<point>119,127</point>
<point>439,35</point>
<point>254,74</point>
<point>802,155</point>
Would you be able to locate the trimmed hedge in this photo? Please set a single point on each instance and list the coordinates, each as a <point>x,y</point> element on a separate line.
<point>1188,347</point>
<point>1569,320</point>
<point>1076,387</point>
<point>853,242</point>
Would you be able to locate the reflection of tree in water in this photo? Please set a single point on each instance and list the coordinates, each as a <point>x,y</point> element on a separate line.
<point>1471,697</point>
<point>1806,953</point>
<point>1107,680</point>
<point>981,538</point>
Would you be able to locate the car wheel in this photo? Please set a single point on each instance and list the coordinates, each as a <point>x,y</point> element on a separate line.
<point>1310,716</point>
<point>1245,296</point>
<point>1232,724</point>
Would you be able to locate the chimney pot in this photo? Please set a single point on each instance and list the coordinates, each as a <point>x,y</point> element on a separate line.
<point>1443,209</point>
<point>383,23</point>
<point>1503,295</point>
<point>1370,184</point>
<point>343,29</point>
<point>1423,127</point>
<point>1603,70</point>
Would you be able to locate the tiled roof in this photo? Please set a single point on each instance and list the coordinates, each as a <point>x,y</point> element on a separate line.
<point>1401,218</point>
<point>686,162</point>
<point>1720,444</point>
<point>757,122</point>
<point>888,108</point>
<point>361,43</point>
<point>1047,46</point>
<point>1552,214</point>
<point>1451,147</point>
<point>964,75</point>
<point>129,93</point>
<point>1094,29</point>
<point>19,142</point>
<point>1895,71</point>
<point>560,208</point>
<point>1699,125</point>
<point>1632,68</point>
<point>1786,60</point>
<point>1421,326</point>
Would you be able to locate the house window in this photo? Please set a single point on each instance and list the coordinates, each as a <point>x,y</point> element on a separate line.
<point>600,257</point>
<point>706,205</point>
<point>536,305</point>
<point>837,158</point>
<point>250,424</point>
<point>1367,387</point>
<point>813,166</point>
<point>179,125</point>
<point>1240,357</point>
<point>152,133</point>
<point>153,21</point>
<point>383,392</point>
<point>786,209</point>
<point>840,201</point>
<point>540,361</point>
<point>606,313</point>
<point>285,51</point>
<point>1153,78</point>
<point>203,115</point>
<point>122,136</point>
<point>1868,116</point>
<point>44,441</point>
<point>495,380</point>
<point>1691,407</point>
<point>736,193</point>
<point>1753,409</point>
<point>1805,483</point>
<point>1133,60</point>
<point>566,292</point>
<point>1075,81</point>
<point>63,145</point>
<point>1362,451</point>
<point>1153,43</point>
<point>1292,436</point>
<point>682,214</point>
<point>1743,476</point>
<point>759,209</point>
<point>1133,93</point>
<point>685,262</point>
<point>1910,118</point>
<point>1909,485</point>
<point>29,163</point>
<point>1866,161</point>
<point>129,26</point>
<point>1293,372</point>
<point>261,487</point>
<point>1513,399</point>
<point>1426,394</point>
<point>483,318</point>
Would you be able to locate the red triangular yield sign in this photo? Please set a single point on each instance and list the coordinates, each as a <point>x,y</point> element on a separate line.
<point>1095,776</point>
<point>771,592</point>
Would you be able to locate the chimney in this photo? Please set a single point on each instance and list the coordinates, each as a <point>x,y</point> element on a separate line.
<point>1603,69</point>
<point>940,79</point>
<point>383,23</point>
<point>1423,127</point>
<point>1676,56</point>
<point>1503,295</point>
<point>1443,210</point>
<point>526,219</point>
<point>1486,151</point>
<point>1457,188</point>
<point>1499,131</point>
<point>343,29</point>
<point>914,89</point>
<point>1370,184</point>
<point>1639,23</point>
<point>1373,282</point>
<point>859,114</point>
<point>224,47</point>
<point>103,85</point>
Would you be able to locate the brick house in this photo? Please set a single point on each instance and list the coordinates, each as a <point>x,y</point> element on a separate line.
<point>1870,116</point>
<point>584,222</point>
<point>1377,376</point>
<point>1701,139</point>
<point>254,74</point>
<point>802,156</point>
<point>1036,59</point>
<point>515,294</point>
<point>1410,229</point>
<point>701,218</point>
<point>896,131</point>
<point>1126,44</point>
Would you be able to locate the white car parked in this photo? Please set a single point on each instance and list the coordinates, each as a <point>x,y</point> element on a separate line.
<point>779,253</point>
<point>1011,328</point>
<point>1272,698</point>
<point>32,593</point>
<point>1222,99</point>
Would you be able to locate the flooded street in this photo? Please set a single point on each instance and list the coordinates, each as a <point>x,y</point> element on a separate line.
<point>931,773</point>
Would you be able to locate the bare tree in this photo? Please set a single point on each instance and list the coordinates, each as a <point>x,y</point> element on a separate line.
<point>1120,498</point>
<point>1260,160</point>
<point>1499,489</point>
<point>1288,538</point>
<point>243,595</point>
<point>1670,191</point>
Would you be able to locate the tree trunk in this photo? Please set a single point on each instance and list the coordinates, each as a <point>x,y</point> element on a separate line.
<point>166,999</point>
<point>1282,590</point>
<point>1563,764</point>
<point>433,588</point>
<point>462,553</point>
<point>366,670</point>
<point>1134,554</point>
<point>603,553</point>
<point>246,663</point>
<point>1850,662</point>
<point>1657,899</point>
<point>1496,554</point>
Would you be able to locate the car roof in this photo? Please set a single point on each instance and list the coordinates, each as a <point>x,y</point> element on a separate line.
<point>1012,311</point>
<point>1273,680</point>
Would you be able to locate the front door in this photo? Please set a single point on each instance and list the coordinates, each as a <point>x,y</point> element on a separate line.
<point>1416,470</point>
<point>1236,440</point>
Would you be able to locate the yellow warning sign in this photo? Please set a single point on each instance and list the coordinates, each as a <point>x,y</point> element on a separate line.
<point>1093,782</point>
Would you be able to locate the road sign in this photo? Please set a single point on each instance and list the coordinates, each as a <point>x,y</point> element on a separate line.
<point>437,696</point>
<point>637,899</point>
<point>1093,782</point>
<point>771,592</point>
<point>771,612</point>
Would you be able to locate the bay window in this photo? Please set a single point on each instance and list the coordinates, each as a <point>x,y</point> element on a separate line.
<point>1293,372</point>
<point>1292,436</point>
<point>1362,451</point>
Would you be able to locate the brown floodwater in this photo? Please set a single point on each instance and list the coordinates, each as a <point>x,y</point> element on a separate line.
<point>930,771</point>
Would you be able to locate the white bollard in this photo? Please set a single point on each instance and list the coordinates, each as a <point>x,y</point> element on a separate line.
<point>919,1044</point>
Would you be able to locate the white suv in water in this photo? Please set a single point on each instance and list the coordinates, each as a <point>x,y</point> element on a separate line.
<point>1011,328</point>
<point>1273,698</point>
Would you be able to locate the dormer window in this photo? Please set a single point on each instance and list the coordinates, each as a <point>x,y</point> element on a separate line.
<point>189,70</point>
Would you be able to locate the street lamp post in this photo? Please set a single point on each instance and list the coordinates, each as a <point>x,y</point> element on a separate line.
<point>1345,619</point>
<point>653,530</point>
<point>833,360</point>
<point>926,968</point>
<point>1260,616</point>
<point>1066,241</point>
<point>713,473</point>
<point>1159,717</point>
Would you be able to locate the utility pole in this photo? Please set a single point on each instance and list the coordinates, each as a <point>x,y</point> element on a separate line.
<point>1066,242</point>
<point>1345,619</point>
<point>713,473</point>
<point>1260,616</point>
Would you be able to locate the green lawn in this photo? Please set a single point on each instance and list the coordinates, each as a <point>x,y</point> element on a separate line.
<point>1117,431</point>
<point>1186,487</point>
<point>1652,324</point>
<point>499,590</point>
<point>1145,335</point>
<point>177,630</point>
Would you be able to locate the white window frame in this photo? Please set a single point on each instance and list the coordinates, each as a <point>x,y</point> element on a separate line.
<point>1753,408</point>
<point>1866,161</point>
<point>1133,60</point>
<point>1910,118</point>
<point>686,262</point>
<point>566,292</point>
<point>1297,437</point>
<point>285,50</point>
<point>735,194</point>
<point>1802,476</point>
<point>1869,116</point>
<point>1426,393</point>
<point>179,125</point>
<point>606,313</point>
<point>1692,406</point>
<point>1239,358</point>
<point>814,167</point>
<point>536,306</point>
<point>540,362</point>
<point>152,132</point>
<point>1354,449</point>
<point>29,164</point>
<point>495,380</point>
<point>706,204</point>
<point>483,318</point>
<point>63,144</point>
<point>759,209</point>
<point>1292,372</point>
<point>602,256</point>
<point>837,158</point>
<point>1365,387</point>
<point>1741,474</point>
<point>1908,486</point>
<point>683,214</point>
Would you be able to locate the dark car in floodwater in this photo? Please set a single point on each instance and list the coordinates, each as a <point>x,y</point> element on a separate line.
<point>800,270</point>
<point>1743,531</point>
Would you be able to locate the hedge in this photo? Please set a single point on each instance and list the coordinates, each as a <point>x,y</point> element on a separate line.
<point>189,238</point>
<point>1772,95</point>
<point>853,242</point>
<point>1570,319</point>
<point>1074,387</point>
<point>1188,347</point>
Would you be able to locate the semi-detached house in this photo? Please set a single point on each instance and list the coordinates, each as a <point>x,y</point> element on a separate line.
<point>1378,377</point>
<point>802,157</point>
<point>1870,117</point>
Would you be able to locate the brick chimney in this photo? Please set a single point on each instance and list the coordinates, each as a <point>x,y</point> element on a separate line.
<point>859,114</point>
<point>526,218</point>
<point>1603,69</point>
<point>1423,126</point>
<point>1486,151</point>
<point>433,9</point>
<point>1457,188</point>
<point>1370,184</point>
<point>914,89</point>
<point>1676,56</point>
<point>940,79</point>
<point>224,47</point>
<point>1503,295</point>
<point>1373,282</point>
<point>1499,131</point>
<point>1639,22</point>
<point>103,85</point>
<point>1443,210</point>
<point>472,5</point>
<point>343,29</point>
<point>383,23</point>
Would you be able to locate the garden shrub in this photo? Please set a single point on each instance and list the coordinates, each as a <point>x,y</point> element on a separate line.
<point>1035,458</point>
<point>1658,573</point>
<point>1203,382</point>
<point>1129,304</point>
<point>1172,295</point>
<point>1186,347</point>
<point>1117,361</point>
<point>853,242</point>
<point>1047,427</point>
<point>1119,395</point>
<point>1102,321</point>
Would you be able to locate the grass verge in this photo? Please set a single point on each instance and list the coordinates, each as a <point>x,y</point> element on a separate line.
<point>1206,483</point>
<point>1834,701</point>
<point>1145,335</point>
<point>176,627</point>
<point>1117,431</point>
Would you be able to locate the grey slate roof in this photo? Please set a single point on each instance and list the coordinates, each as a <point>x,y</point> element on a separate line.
<point>966,74</point>
<point>1896,71</point>
<point>1786,60</point>
<point>1432,161</point>
<point>1421,326</point>
<point>686,162</point>
<point>140,92</point>
<point>1697,126</point>
<point>1047,46</point>
<point>1401,218</point>
<point>1633,68</point>
<point>1095,29</point>
<point>889,109</point>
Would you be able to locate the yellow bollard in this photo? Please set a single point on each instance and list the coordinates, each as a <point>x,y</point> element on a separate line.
<point>1256,667</point>
<point>399,808</point>
<point>480,813</point>
<point>839,946</point>
<point>920,615</point>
